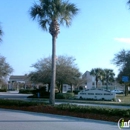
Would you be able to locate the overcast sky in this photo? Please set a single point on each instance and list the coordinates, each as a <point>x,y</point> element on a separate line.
<point>101,29</point>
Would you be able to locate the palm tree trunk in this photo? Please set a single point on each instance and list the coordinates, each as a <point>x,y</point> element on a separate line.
<point>126,90</point>
<point>53,80</point>
<point>96,82</point>
<point>71,88</point>
<point>107,85</point>
<point>61,87</point>
<point>48,87</point>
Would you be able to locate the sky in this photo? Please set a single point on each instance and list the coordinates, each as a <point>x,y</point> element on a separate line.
<point>99,31</point>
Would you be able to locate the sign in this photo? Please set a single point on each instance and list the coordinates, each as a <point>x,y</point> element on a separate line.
<point>125,78</point>
<point>123,124</point>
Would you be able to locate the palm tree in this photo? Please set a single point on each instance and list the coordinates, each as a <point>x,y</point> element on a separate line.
<point>98,73</point>
<point>108,76</point>
<point>50,14</point>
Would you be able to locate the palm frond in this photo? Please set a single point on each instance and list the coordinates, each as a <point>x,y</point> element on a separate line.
<point>43,24</point>
<point>53,10</point>
<point>66,20</point>
<point>37,12</point>
<point>68,11</point>
<point>72,9</point>
<point>46,6</point>
<point>128,2</point>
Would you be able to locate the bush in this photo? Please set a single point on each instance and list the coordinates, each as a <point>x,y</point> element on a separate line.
<point>59,96</point>
<point>7,102</point>
<point>64,95</point>
<point>3,90</point>
<point>41,92</point>
<point>99,110</point>
<point>25,91</point>
<point>71,108</point>
<point>76,91</point>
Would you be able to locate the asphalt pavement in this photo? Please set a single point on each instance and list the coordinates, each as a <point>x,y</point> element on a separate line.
<point>13,94</point>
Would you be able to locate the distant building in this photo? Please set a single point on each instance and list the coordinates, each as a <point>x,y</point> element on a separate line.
<point>90,81</point>
<point>16,80</point>
<point>67,88</point>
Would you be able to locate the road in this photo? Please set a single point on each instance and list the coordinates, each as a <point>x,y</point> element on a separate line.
<point>13,95</point>
<point>20,120</point>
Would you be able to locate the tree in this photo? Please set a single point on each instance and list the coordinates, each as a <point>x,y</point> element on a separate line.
<point>5,68</point>
<point>108,76</point>
<point>98,73</point>
<point>50,14</point>
<point>42,73</point>
<point>67,71</point>
<point>128,2</point>
<point>122,60</point>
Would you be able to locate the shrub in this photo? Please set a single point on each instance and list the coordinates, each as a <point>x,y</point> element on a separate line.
<point>7,102</point>
<point>3,90</point>
<point>114,99</point>
<point>25,91</point>
<point>76,91</point>
<point>69,95</point>
<point>64,96</point>
<point>41,92</point>
<point>96,110</point>
<point>59,96</point>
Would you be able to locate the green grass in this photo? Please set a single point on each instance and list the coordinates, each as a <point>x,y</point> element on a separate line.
<point>124,99</point>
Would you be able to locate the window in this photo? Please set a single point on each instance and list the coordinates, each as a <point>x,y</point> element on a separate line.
<point>90,93</point>
<point>108,94</point>
<point>98,93</point>
<point>83,93</point>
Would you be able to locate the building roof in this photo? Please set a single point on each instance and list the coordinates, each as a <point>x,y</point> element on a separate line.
<point>18,77</point>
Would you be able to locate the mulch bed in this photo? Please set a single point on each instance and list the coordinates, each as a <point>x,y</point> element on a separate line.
<point>53,110</point>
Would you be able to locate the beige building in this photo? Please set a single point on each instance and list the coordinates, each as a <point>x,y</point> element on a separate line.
<point>17,82</point>
<point>90,80</point>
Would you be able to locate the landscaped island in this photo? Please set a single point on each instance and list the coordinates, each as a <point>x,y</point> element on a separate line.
<point>99,113</point>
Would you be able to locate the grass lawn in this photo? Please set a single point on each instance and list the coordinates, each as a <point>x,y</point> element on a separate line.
<point>124,99</point>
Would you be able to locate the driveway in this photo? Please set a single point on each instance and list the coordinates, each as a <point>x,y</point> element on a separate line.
<point>20,120</point>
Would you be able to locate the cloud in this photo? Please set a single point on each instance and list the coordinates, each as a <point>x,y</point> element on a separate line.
<point>123,40</point>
